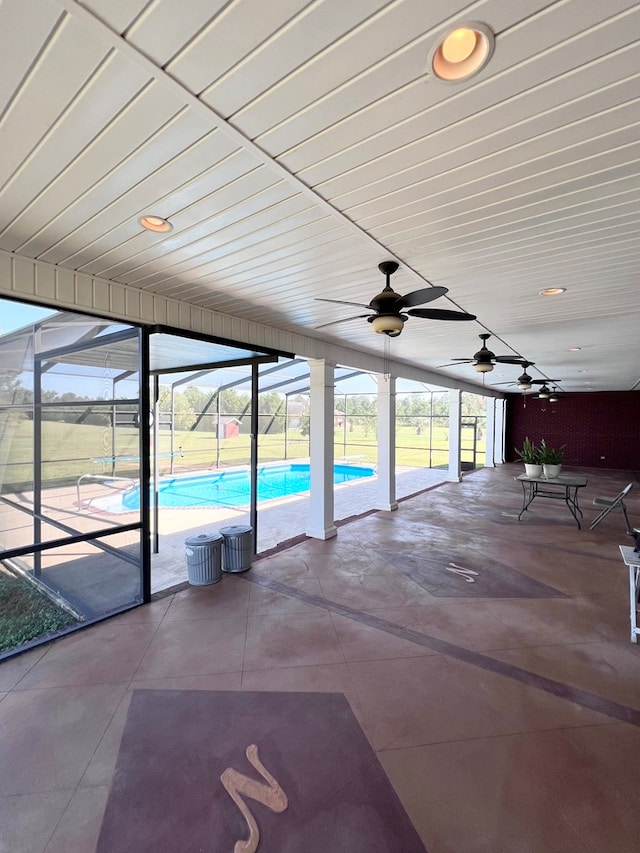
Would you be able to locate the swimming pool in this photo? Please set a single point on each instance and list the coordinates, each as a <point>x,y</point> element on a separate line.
<point>233,488</point>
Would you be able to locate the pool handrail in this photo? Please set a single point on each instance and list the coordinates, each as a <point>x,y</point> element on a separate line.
<point>106,478</point>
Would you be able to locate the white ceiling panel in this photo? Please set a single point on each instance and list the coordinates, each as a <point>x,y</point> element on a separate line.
<point>165,27</point>
<point>236,241</point>
<point>117,14</point>
<point>93,163</point>
<point>253,189</point>
<point>296,144</point>
<point>184,173</point>
<point>514,53</point>
<point>269,77</point>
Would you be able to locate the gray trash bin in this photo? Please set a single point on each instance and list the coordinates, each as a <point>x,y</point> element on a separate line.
<point>237,548</point>
<point>203,555</point>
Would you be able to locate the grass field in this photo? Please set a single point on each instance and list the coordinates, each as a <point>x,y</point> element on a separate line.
<point>71,450</point>
<point>26,613</point>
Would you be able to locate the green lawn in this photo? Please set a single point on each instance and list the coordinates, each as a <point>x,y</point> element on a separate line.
<point>26,613</point>
<point>71,450</point>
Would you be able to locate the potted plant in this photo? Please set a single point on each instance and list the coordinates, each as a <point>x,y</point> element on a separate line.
<point>530,455</point>
<point>551,458</point>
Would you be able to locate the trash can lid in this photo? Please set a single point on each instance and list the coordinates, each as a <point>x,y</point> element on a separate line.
<point>203,539</point>
<point>235,530</point>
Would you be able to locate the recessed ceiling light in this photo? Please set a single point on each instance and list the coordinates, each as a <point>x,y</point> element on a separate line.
<point>155,223</point>
<point>552,291</point>
<point>462,52</point>
<point>574,349</point>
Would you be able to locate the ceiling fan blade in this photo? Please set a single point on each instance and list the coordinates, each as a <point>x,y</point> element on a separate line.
<point>420,297</point>
<point>457,362</point>
<point>545,381</point>
<point>344,320</point>
<point>509,359</point>
<point>342,302</point>
<point>439,314</point>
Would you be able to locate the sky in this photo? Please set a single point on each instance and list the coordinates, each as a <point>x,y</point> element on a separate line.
<point>14,315</point>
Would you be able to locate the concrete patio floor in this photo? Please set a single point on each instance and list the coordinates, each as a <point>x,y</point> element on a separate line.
<point>505,710</point>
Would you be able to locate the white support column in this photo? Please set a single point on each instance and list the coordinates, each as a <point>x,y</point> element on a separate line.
<point>386,498</point>
<point>499,430</point>
<point>490,459</point>
<point>455,438</point>
<point>321,522</point>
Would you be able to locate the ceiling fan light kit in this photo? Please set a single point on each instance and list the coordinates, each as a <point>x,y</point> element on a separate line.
<point>387,324</point>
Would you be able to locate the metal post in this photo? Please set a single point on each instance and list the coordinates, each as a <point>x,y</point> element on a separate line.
<point>431,431</point>
<point>145,470</point>
<point>344,429</point>
<point>286,425</point>
<point>37,462</point>
<point>253,509</point>
<point>114,421</point>
<point>171,429</point>
<point>156,464</point>
<point>218,395</point>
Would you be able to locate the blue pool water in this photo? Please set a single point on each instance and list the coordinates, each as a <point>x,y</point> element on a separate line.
<point>233,488</point>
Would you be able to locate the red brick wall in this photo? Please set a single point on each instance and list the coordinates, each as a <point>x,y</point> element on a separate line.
<point>600,430</point>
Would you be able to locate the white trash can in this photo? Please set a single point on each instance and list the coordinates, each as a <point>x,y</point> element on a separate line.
<point>204,558</point>
<point>237,548</point>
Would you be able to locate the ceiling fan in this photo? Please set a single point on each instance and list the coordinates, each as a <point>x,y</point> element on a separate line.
<point>484,360</point>
<point>546,393</point>
<point>524,381</point>
<point>388,307</point>
<point>556,396</point>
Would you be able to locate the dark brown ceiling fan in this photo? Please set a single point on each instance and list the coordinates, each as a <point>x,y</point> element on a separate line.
<point>524,381</point>
<point>391,311</point>
<point>484,360</point>
<point>545,393</point>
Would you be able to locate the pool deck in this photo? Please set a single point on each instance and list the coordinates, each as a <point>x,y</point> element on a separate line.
<point>92,582</point>
<point>278,521</point>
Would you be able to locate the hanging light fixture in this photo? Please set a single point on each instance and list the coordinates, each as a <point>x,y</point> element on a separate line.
<point>388,324</point>
<point>544,393</point>
<point>524,381</point>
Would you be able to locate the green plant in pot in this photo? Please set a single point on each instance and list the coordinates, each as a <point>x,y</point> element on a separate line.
<point>530,455</point>
<point>551,458</point>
